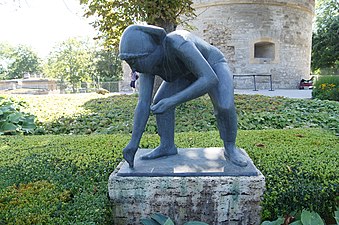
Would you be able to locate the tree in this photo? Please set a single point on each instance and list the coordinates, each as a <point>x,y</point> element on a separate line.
<point>112,17</point>
<point>107,66</point>
<point>5,52</point>
<point>115,15</point>
<point>325,45</point>
<point>71,61</point>
<point>16,62</point>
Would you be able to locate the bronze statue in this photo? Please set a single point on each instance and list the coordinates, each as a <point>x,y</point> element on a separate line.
<point>190,68</point>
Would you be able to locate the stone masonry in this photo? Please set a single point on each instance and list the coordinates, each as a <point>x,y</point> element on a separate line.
<point>260,37</point>
<point>196,184</point>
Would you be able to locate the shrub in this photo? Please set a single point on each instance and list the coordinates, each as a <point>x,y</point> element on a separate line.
<point>93,113</point>
<point>302,175</point>
<point>71,172</point>
<point>61,178</point>
<point>304,218</point>
<point>326,88</point>
<point>12,119</point>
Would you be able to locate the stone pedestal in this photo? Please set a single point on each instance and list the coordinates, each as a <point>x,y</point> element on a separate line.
<point>196,184</point>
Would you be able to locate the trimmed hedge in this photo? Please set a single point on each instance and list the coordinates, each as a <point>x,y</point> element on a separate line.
<point>63,179</point>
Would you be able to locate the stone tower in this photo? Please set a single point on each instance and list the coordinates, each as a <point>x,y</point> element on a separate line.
<point>260,36</point>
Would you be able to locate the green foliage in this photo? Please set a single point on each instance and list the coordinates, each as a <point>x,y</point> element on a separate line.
<point>108,66</point>
<point>5,59</point>
<point>12,119</point>
<point>278,221</point>
<point>35,201</point>
<point>326,88</point>
<point>300,166</point>
<point>112,17</point>
<point>306,218</point>
<point>71,61</point>
<point>325,45</point>
<point>311,218</point>
<point>18,61</point>
<point>159,219</point>
<point>92,113</point>
<point>299,176</point>
<point>56,179</point>
<point>336,215</point>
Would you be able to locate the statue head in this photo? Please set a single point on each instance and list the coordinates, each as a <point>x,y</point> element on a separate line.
<point>139,41</point>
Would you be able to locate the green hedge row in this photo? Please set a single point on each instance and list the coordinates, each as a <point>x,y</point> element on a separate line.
<point>114,114</point>
<point>63,179</point>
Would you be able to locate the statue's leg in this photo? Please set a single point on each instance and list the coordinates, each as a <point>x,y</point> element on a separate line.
<point>166,121</point>
<point>222,98</point>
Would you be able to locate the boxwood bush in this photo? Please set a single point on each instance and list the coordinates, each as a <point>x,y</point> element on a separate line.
<point>62,179</point>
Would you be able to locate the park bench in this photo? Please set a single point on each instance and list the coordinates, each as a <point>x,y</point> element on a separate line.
<point>254,82</point>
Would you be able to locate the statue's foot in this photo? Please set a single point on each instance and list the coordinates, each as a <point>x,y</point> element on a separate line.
<point>128,155</point>
<point>236,157</point>
<point>160,152</point>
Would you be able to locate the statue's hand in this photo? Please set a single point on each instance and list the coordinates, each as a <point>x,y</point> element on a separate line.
<point>162,106</point>
<point>129,153</point>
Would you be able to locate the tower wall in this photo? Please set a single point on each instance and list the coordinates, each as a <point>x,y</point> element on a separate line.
<point>260,36</point>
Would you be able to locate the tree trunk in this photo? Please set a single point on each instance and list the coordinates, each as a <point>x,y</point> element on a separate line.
<point>169,27</point>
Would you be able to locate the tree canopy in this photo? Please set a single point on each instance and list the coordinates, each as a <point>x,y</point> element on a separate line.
<point>112,17</point>
<point>75,61</point>
<point>15,62</point>
<point>107,66</point>
<point>325,44</point>
<point>71,61</point>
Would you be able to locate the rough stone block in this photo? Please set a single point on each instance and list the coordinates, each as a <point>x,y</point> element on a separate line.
<point>204,193</point>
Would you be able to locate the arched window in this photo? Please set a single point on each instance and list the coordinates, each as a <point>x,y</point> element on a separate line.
<point>264,50</point>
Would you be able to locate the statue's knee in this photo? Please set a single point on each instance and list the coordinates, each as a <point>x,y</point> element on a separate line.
<point>224,108</point>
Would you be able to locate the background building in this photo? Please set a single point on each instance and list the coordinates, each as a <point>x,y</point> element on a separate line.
<point>260,37</point>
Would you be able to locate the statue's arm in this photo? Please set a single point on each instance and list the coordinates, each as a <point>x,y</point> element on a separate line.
<point>142,109</point>
<point>206,78</point>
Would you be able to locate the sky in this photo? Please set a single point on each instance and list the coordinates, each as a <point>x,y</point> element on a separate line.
<point>42,24</point>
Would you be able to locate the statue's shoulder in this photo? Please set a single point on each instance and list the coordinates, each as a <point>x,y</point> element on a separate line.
<point>176,38</point>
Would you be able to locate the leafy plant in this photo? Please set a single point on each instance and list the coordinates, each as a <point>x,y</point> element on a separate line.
<point>305,218</point>
<point>12,120</point>
<point>326,88</point>
<point>93,114</point>
<point>159,219</point>
<point>336,215</point>
<point>167,14</point>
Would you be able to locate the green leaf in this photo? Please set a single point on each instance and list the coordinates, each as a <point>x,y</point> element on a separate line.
<point>311,218</point>
<point>28,127</point>
<point>336,216</point>
<point>195,223</point>
<point>162,219</point>
<point>15,117</point>
<point>279,221</point>
<point>147,221</point>
<point>8,127</point>
<point>298,222</point>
